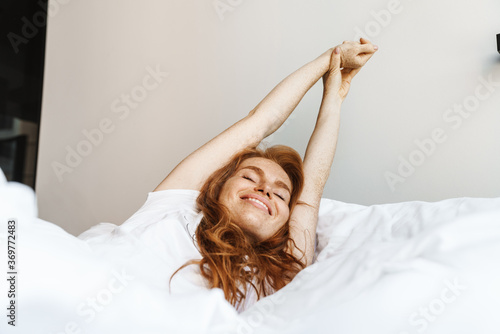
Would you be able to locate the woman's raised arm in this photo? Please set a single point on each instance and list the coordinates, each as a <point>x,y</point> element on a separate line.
<point>277,106</point>
<point>320,151</point>
<point>262,121</point>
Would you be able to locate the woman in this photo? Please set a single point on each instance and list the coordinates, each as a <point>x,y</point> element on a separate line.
<point>260,208</point>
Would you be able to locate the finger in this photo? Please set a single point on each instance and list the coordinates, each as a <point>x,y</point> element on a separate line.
<point>335,59</point>
<point>351,73</point>
<point>361,60</point>
<point>364,41</point>
<point>368,48</point>
<point>365,57</point>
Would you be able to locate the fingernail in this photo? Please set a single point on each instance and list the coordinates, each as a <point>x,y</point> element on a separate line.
<point>375,47</point>
<point>336,50</point>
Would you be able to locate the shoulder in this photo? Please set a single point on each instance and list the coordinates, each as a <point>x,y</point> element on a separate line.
<point>171,198</point>
<point>165,204</point>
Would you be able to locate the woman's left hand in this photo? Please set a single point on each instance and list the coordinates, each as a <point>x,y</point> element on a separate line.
<point>356,54</point>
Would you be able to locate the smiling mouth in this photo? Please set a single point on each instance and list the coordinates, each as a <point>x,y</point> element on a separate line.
<point>258,204</point>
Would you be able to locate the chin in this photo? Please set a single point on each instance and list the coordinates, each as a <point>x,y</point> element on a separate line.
<point>248,227</point>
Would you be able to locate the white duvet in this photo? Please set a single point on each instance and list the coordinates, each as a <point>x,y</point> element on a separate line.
<point>412,267</point>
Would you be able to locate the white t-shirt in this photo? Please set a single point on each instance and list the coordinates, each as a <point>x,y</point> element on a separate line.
<point>156,240</point>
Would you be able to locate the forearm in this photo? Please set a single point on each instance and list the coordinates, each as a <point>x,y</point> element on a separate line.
<point>317,164</point>
<point>275,108</point>
<point>320,151</point>
<point>321,148</point>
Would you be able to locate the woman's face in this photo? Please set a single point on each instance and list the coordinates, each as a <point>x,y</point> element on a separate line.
<point>257,196</point>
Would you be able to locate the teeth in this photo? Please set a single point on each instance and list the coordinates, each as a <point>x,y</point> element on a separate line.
<point>257,201</point>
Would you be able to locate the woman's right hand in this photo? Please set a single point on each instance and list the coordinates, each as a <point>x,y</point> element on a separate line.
<point>338,77</point>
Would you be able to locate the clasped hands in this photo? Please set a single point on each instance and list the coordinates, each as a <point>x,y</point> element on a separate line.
<point>346,60</point>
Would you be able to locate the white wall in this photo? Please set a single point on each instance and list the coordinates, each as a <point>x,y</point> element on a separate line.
<point>221,64</point>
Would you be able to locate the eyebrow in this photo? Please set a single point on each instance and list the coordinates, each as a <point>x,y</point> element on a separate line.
<point>261,173</point>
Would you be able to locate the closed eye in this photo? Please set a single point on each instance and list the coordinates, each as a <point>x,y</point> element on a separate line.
<point>247,178</point>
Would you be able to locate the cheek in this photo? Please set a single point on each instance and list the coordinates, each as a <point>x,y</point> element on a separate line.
<point>223,195</point>
<point>285,212</point>
<point>228,190</point>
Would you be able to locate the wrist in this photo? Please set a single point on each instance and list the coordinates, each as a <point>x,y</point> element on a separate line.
<point>331,101</point>
<point>328,57</point>
<point>325,59</point>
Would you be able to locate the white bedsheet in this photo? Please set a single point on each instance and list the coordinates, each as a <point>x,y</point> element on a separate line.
<point>411,267</point>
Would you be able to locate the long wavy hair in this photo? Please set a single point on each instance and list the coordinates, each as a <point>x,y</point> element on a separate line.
<point>232,260</point>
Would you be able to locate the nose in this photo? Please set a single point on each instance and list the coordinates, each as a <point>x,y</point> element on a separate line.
<point>265,188</point>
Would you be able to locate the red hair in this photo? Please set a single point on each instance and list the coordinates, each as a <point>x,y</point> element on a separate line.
<point>231,260</point>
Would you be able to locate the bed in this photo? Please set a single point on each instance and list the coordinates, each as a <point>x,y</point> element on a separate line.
<point>401,268</point>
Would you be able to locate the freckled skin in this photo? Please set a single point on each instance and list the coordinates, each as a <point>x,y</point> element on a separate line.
<point>257,223</point>
<point>350,56</point>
